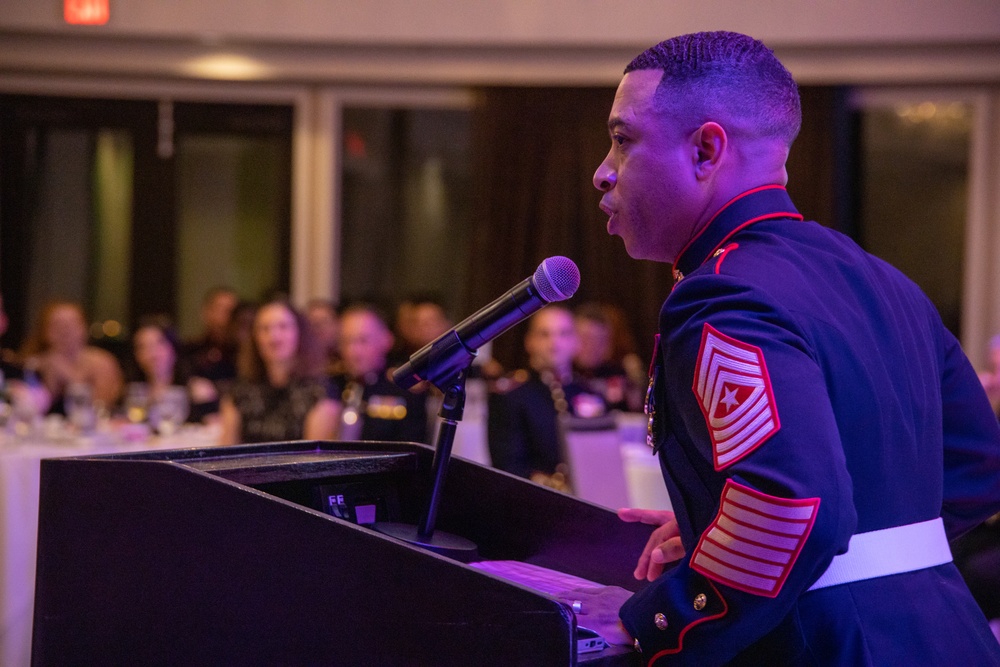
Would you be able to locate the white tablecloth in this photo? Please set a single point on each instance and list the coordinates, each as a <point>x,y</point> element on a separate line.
<point>19,482</point>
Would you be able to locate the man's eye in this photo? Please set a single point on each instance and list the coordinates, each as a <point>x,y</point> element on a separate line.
<point>618,139</point>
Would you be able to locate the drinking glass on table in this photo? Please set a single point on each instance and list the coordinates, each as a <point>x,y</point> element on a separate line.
<point>136,402</point>
<point>169,411</point>
<point>80,409</point>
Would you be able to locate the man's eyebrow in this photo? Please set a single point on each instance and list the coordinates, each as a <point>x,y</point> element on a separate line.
<point>615,123</point>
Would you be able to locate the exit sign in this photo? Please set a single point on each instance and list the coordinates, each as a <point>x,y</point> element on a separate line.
<point>86,12</point>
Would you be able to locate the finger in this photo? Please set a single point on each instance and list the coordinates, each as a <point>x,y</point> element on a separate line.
<point>656,565</point>
<point>635,514</point>
<point>650,517</point>
<point>668,552</point>
<point>662,534</point>
<point>663,554</point>
<point>642,565</point>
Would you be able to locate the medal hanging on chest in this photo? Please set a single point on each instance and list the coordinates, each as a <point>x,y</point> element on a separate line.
<point>650,406</point>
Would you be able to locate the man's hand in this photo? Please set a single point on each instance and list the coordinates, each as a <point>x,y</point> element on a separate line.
<point>664,545</point>
<point>597,609</point>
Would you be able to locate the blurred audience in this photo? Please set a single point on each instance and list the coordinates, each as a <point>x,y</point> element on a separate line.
<point>977,553</point>
<point>239,331</point>
<point>294,370</point>
<point>374,407</point>
<point>600,361</point>
<point>212,354</point>
<point>10,365</point>
<point>526,408</point>
<point>322,316</point>
<point>623,354</point>
<point>24,396</point>
<point>420,318</point>
<point>281,391</point>
<point>160,372</point>
<point>991,377</point>
<point>977,556</point>
<point>58,352</point>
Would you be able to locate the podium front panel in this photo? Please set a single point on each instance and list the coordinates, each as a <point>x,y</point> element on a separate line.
<point>261,555</point>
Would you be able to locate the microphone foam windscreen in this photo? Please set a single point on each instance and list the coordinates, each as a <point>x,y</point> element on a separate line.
<point>556,278</point>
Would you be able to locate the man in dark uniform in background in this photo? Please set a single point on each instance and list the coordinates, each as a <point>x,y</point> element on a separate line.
<point>525,409</point>
<point>595,363</point>
<point>420,319</point>
<point>822,435</point>
<point>373,407</point>
<point>212,355</point>
<point>325,325</point>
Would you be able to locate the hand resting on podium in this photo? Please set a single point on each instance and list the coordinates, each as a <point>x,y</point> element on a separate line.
<point>597,609</point>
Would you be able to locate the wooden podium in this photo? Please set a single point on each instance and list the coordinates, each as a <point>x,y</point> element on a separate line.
<point>256,555</point>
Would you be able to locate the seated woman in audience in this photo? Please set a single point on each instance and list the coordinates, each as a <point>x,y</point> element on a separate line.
<point>991,377</point>
<point>57,351</point>
<point>281,391</point>
<point>27,396</point>
<point>156,348</point>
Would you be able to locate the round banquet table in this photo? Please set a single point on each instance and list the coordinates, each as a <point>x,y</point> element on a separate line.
<point>20,459</point>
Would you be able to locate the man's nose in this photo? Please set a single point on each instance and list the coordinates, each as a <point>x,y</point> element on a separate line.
<point>604,177</point>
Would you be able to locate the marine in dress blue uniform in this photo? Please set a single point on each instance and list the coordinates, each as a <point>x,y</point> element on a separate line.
<point>377,409</point>
<point>805,393</point>
<point>523,423</point>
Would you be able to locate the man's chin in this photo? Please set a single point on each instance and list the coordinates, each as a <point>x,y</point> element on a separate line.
<point>637,250</point>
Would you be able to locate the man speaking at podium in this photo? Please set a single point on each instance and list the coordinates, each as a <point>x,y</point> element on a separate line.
<point>821,433</point>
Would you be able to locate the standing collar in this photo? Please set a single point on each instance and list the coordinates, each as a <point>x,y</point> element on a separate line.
<point>764,203</point>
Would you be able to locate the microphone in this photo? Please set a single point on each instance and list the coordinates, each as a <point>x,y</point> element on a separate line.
<point>555,279</point>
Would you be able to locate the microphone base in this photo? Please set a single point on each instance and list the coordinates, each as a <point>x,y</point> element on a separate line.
<point>445,544</point>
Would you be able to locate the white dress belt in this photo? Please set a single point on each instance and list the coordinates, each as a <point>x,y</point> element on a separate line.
<point>879,553</point>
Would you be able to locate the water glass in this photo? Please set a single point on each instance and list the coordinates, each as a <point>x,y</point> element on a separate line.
<point>80,408</point>
<point>169,411</point>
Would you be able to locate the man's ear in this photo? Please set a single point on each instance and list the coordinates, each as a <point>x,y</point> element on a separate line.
<point>710,143</point>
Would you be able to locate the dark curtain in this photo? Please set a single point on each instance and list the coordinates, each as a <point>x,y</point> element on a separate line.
<point>820,167</point>
<point>534,153</point>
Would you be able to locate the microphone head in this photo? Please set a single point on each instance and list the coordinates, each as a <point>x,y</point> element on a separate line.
<point>556,278</point>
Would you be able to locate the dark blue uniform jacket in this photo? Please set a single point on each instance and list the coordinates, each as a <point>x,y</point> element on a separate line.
<point>806,391</point>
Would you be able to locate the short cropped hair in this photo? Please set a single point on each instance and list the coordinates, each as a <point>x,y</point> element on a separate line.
<point>725,77</point>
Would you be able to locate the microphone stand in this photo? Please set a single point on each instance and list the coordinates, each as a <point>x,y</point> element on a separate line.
<point>424,535</point>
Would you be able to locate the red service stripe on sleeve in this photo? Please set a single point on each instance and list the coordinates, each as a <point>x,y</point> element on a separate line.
<point>754,540</point>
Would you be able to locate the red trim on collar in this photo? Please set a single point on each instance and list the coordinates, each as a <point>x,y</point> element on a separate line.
<point>774,214</point>
<point>722,208</point>
<point>656,354</point>
<point>722,255</point>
